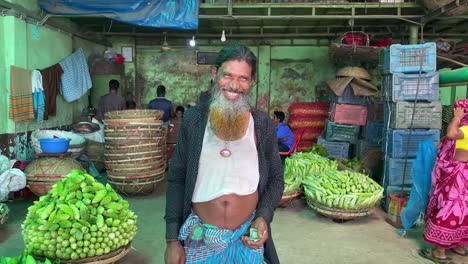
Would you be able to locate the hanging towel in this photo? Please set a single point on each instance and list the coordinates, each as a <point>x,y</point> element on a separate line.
<point>51,78</point>
<point>21,105</point>
<point>76,80</point>
<point>38,95</point>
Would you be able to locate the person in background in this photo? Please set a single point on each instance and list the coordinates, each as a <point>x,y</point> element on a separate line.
<point>446,219</point>
<point>161,103</point>
<point>284,134</point>
<point>225,178</point>
<point>111,101</point>
<point>179,112</point>
<point>131,105</point>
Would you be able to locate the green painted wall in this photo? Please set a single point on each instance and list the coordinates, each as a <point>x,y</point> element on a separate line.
<point>285,74</point>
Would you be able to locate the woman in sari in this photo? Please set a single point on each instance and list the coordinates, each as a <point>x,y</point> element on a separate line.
<point>447,211</point>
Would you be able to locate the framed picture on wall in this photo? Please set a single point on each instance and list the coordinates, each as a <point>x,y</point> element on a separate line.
<point>127,53</point>
<point>206,57</point>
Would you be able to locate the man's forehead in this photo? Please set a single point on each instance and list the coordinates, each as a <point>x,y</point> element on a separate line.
<point>227,65</point>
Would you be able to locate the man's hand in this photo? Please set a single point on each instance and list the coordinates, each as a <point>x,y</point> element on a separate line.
<point>174,253</point>
<point>262,227</point>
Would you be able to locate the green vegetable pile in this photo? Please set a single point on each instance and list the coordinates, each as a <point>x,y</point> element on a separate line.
<point>25,258</point>
<point>319,150</point>
<point>325,184</point>
<point>78,218</point>
<point>337,189</point>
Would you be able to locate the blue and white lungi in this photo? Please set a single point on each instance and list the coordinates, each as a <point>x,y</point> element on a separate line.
<point>208,244</point>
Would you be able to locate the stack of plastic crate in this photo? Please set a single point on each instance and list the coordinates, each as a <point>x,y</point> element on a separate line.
<point>372,133</point>
<point>411,84</point>
<point>347,114</point>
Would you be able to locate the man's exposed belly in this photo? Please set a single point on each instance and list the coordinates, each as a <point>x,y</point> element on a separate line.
<point>228,211</point>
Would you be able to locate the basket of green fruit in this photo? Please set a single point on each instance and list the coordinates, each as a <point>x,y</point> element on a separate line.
<point>80,221</point>
<point>338,194</point>
<point>3,213</point>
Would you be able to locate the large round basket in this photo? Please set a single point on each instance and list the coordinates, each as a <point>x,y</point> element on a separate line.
<point>4,212</point>
<point>134,114</point>
<point>135,186</point>
<point>43,173</point>
<point>339,214</point>
<point>40,188</point>
<point>109,258</point>
<point>289,197</point>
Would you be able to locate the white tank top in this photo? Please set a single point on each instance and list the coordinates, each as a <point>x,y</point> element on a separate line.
<point>218,175</point>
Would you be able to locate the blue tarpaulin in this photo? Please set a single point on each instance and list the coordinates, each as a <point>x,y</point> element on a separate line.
<point>419,196</point>
<point>177,14</point>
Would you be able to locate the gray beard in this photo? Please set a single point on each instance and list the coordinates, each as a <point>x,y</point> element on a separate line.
<point>229,108</point>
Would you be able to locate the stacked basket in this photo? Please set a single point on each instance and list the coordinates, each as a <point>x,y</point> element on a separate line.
<point>135,150</point>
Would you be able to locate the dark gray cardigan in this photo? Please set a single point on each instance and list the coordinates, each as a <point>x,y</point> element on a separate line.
<point>183,169</point>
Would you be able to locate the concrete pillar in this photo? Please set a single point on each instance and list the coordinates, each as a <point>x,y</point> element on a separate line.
<point>413,34</point>
<point>263,78</point>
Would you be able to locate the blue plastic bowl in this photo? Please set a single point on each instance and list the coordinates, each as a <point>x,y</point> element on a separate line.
<point>54,145</point>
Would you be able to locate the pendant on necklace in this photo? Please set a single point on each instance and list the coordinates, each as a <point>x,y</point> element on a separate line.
<point>225,152</point>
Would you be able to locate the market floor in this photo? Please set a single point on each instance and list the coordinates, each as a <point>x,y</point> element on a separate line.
<point>301,236</point>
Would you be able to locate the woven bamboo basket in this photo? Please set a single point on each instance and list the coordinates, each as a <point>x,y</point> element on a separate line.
<point>135,160</point>
<point>135,186</point>
<point>157,168</point>
<point>115,149</point>
<point>43,173</point>
<point>133,155</point>
<point>134,114</point>
<point>124,169</point>
<point>4,213</point>
<point>40,188</point>
<point>130,140</point>
<point>289,197</point>
<point>339,214</point>
<point>132,122</point>
<point>95,152</point>
<point>109,258</point>
<point>136,176</point>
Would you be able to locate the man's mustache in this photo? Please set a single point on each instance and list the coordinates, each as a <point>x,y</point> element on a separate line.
<point>232,90</point>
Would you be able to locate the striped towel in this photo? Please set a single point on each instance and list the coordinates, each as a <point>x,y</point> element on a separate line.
<point>21,104</point>
<point>76,80</point>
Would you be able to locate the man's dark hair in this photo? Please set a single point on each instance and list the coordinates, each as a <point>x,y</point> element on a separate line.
<point>239,53</point>
<point>161,91</point>
<point>114,85</point>
<point>280,115</point>
<point>180,108</point>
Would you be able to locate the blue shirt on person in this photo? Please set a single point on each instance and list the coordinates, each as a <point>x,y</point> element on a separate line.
<point>282,130</point>
<point>161,103</point>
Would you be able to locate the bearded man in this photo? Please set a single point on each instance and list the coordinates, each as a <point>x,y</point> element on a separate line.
<point>226,176</point>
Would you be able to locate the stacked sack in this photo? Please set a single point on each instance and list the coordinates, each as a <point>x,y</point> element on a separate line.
<point>410,83</point>
<point>310,117</point>
<point>348,112</point>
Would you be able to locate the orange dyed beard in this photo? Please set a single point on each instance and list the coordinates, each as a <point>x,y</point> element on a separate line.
<point>229,127</point>
<point>229,119</point>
